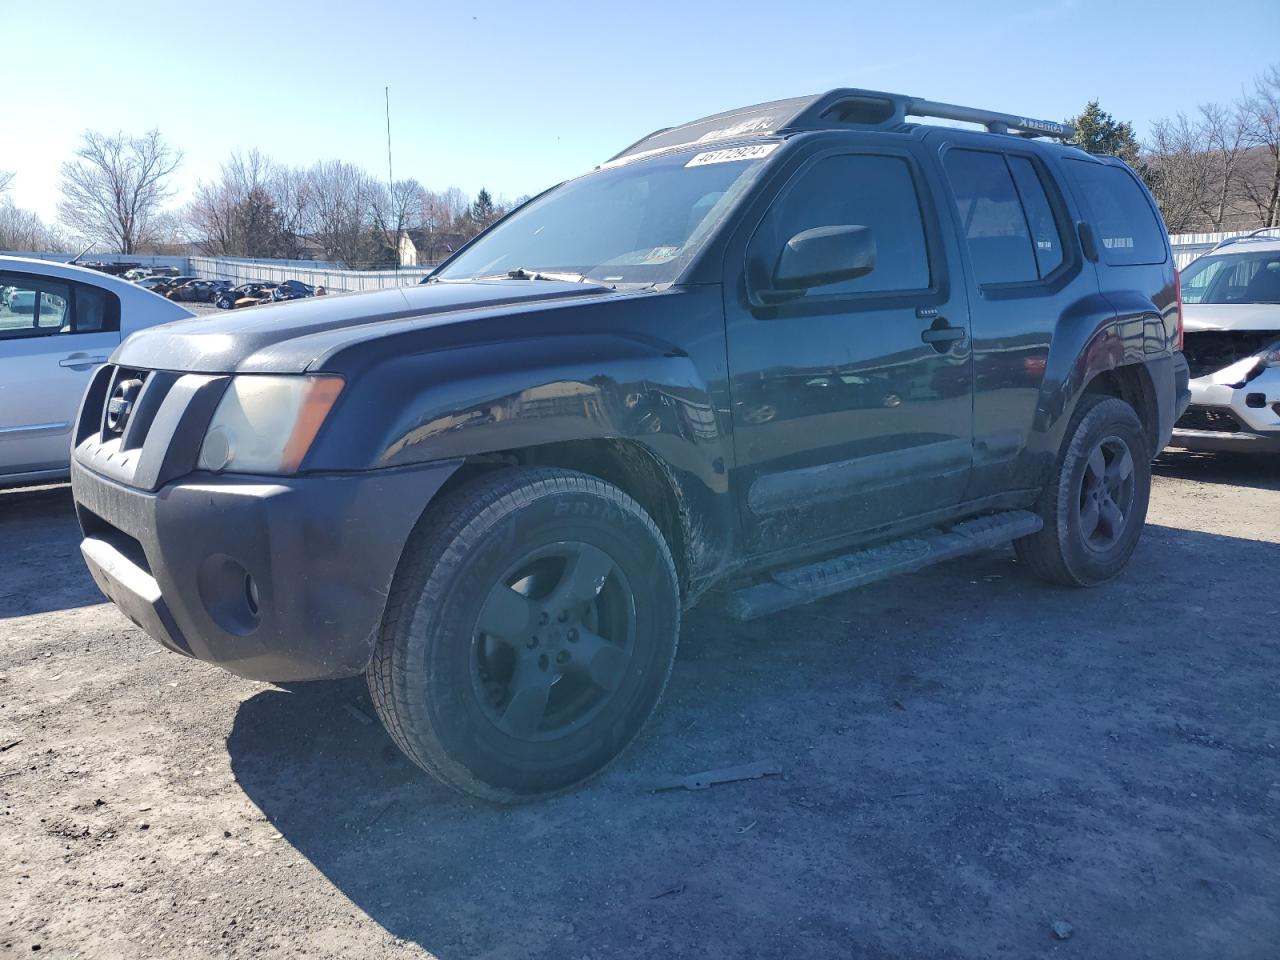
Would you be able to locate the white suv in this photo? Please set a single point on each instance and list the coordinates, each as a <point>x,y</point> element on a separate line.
<point>58,323</point>
<point>1231,314</point>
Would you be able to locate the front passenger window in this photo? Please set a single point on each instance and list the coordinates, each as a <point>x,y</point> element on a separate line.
<point>876,192</point>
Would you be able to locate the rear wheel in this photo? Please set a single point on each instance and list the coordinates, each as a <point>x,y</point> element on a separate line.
<point>1095,504</point>
<point>529,634</point>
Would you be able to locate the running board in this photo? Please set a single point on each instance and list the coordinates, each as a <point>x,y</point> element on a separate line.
<point>789,588</point>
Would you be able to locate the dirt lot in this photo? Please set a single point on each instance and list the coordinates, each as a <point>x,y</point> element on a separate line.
<point>969,758</point>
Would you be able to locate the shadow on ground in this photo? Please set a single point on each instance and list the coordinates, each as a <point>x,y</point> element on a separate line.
<point>40,550</point>
<point>969,756</point>
<point>1259,471</point>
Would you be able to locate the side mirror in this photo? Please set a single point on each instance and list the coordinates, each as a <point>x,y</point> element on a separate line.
<point>823,255</point>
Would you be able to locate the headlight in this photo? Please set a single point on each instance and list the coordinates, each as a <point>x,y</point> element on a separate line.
<point>265,424</point>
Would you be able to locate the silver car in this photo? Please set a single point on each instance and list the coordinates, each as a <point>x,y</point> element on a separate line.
<point>1231,319</point>
<point>57,324</point>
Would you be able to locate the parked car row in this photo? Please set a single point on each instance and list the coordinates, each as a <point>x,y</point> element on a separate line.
<point>255,292</point>
<point>221,293</point>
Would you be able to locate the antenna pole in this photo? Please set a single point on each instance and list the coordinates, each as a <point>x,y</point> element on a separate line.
<point>391,181</point>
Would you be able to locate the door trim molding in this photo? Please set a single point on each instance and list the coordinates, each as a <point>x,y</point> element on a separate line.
<point>36,430</point>
<point>774,492</point>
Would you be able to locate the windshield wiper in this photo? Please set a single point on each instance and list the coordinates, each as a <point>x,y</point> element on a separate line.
<point>520,273</point>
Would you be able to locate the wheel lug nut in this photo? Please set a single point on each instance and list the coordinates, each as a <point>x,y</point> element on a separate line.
<point>533,642</point>
<point>573,636</point>
<point>544,618</point>
<point>562,656</point>
<point>564,615</point>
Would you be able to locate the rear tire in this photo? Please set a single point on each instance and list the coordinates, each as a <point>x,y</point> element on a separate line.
<point>1095,503</point>
<point>529,633</point>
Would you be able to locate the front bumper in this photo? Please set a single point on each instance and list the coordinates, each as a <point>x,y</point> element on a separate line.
<point>1226,417</point>
<point>272,578</point>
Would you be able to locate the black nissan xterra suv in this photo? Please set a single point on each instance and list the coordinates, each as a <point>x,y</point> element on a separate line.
<point>781,351</point>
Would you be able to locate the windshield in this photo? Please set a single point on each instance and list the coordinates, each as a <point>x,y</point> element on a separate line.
<point>636,223</point>
<point>1233,278</point>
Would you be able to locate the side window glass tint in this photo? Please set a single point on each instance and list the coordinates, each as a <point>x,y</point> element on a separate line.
<point>36,306</point>
<point>17,309</point>
<point>1046,236</point>
<point>33,307</point>
<point>1125,222</point>
<point>991,217</point>
<point>52,311</point>
<point>96,310</point>
<point>871,191</point>
<point>1197,281</point>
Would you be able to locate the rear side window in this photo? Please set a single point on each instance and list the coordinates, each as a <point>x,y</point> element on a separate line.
<point>1127,226</point>
<point>1008,222</point>
<point>855,190</point>
<point>1046,237</point>
<point>36,306</point>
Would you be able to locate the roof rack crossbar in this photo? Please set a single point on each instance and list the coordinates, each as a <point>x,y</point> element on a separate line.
<point>846,106</point>
<point>879,110</point>
<point>994,122</point>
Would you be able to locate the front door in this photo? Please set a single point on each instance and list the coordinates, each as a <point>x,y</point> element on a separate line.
<point>852,403</point>
<point>51,340</point>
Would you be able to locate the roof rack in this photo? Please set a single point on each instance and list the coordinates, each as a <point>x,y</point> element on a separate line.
<point>873,108</point>
<point>862,109</point>
<point>1251,235</point>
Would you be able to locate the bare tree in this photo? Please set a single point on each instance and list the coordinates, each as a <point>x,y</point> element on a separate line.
<point>1224,133</point>
<point>396,209</point>
<point>1262,118</point>
<point>291,191</point>
<point>6,178</point>
<point>237,215</point>
<point>1179,169</point>
<point>24,230</point>
<point>338,211</point>
<point>113,190</point>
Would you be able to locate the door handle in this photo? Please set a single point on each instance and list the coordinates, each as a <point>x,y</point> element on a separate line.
<point>77,360</point>
<point>942,334</point>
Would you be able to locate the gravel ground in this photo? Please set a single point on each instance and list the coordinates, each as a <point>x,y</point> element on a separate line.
<point>969,758</point>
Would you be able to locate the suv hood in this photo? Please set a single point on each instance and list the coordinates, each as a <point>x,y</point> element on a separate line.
<point>288,337</point>
<point>1230,316</point>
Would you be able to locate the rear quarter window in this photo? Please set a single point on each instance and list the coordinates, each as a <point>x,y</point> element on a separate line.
<point>1127,226</point>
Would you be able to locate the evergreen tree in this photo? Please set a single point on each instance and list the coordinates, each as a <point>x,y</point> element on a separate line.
<point>1099,132</point>
<point>483,211</point>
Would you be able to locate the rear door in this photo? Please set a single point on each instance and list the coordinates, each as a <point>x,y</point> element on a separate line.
<point>53,334</point>
<point>1024,272</point>
<point>852,405</point>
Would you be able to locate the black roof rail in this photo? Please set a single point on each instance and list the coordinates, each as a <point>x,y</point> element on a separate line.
<point>847,107</point>
<point>874,108</point>
<point>1251,235</point>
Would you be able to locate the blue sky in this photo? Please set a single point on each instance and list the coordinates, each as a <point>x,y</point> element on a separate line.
<point>515,97</point>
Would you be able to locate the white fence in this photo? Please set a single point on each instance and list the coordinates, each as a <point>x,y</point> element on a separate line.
<point>243,271</point>
<point>1188,246</point>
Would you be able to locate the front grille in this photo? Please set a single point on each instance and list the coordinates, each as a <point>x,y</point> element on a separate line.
<point>158,436</point>
<point>1209,418</point>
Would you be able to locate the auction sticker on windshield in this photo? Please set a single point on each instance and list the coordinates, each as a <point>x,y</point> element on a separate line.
<point>753,152</point>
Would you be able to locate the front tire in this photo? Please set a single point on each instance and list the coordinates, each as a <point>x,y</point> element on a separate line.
<point>1095,504</point>
<point>529,633</point>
